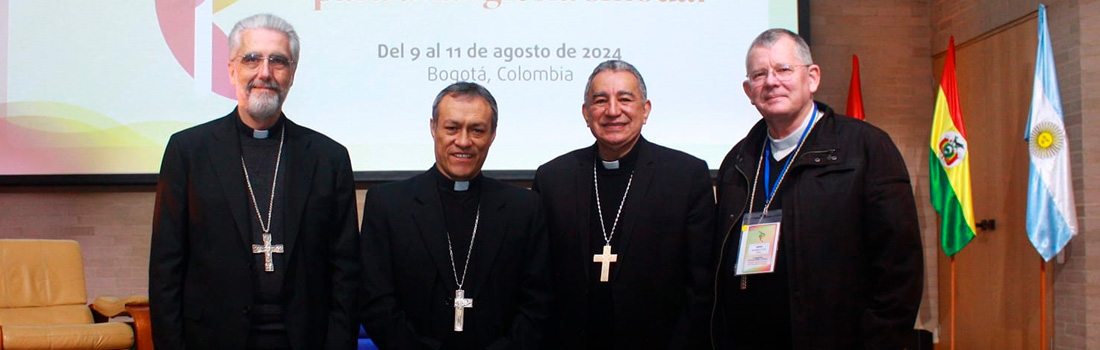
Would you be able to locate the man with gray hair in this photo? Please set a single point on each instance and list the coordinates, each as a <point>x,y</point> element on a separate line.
<point>254,236</point>
<point>817,226</point>
<point>630,229</point>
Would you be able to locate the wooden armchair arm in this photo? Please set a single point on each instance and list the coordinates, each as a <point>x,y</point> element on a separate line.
<point>143,326</point>
<point>108,306</point>
<point>137,307</point>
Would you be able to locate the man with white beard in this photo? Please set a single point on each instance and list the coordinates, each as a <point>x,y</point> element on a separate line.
<point>254,231</point>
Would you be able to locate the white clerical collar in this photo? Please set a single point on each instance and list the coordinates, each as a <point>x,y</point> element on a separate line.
<point>612,165</point>
<point>260,134</point>
<point>462,186</point>
<point>784,146</point>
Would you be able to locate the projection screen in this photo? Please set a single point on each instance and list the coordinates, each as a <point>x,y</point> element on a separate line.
<point>98,87</point>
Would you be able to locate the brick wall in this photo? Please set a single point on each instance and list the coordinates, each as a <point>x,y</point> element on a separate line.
<point>1070,317</point>
<point>891,40</point>
<point>1078,326</point>
<point>111,226</point>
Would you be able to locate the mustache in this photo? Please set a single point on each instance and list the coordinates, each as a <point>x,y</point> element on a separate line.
<point>265,84</point>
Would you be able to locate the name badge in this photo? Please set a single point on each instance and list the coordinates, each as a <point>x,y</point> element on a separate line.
<point>759,243</point>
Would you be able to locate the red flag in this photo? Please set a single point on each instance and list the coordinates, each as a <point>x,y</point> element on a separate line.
<point>855,97</point>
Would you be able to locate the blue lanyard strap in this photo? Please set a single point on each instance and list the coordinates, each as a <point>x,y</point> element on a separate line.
<point>769,189</point>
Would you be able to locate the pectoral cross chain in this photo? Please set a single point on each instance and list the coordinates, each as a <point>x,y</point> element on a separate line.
<point>607,258</point>
<point>461,301</point>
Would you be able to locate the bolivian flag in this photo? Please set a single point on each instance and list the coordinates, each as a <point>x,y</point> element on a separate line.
<point>948,164</point>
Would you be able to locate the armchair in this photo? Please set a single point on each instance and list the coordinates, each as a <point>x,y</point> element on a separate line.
<point>43,302</point>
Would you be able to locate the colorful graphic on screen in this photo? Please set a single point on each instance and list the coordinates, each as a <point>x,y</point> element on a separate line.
<point>98,87</point>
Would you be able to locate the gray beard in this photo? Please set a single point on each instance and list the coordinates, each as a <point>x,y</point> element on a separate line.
<point>263,106</point>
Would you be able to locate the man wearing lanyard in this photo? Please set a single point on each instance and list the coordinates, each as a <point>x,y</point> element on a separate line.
<point>819,242</point>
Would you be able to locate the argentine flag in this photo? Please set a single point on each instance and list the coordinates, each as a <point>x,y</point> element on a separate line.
<point>1051,211</point>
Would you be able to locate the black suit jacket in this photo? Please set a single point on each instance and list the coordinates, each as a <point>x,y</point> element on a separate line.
<point>661,280</point>
<point>408,278</point>
<point>201,265</point>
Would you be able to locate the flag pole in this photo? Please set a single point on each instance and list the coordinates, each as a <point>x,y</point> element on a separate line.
<point>1042,304</point>
<point>952,303</point>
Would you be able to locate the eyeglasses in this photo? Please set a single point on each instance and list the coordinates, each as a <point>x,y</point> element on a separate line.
<point>276,62</point>
<point>782,72</point>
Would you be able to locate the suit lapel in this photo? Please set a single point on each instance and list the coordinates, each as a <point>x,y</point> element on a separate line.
<point>225,156</point>
<point>491,233</point>
<point>429,222</point>
<point>299,173</point>
<point>635,201</point>
<point>582,182</point>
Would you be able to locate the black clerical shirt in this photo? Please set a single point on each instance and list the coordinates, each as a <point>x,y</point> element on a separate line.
<point>759,317</point>
<point>612,185</point>
<point>268,323</point>
<point>460,211</point>
<point>259,158</point>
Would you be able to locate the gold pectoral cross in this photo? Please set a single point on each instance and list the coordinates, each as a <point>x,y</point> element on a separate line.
<point>605,261</point>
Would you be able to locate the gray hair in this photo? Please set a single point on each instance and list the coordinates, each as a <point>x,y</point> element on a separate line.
<point>463,89</point>
<point>770,36</point>
<point>264,21</point>
<point>615,66</point>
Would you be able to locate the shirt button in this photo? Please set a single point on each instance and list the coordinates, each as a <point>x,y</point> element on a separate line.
<point>817,160</point>
<point>832,157</point>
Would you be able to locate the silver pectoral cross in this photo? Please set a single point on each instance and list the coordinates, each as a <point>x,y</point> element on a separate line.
<point>267,249</point>
<point>461,304</point>
<point>605,260</point>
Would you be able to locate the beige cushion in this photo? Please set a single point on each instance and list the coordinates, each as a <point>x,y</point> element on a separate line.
<point>45,315</point>
<point>106,336</point>
<point>111,306</point>
<point>41,273</point>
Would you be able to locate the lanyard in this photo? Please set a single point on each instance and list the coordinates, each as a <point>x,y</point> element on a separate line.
<point>769,189</point>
